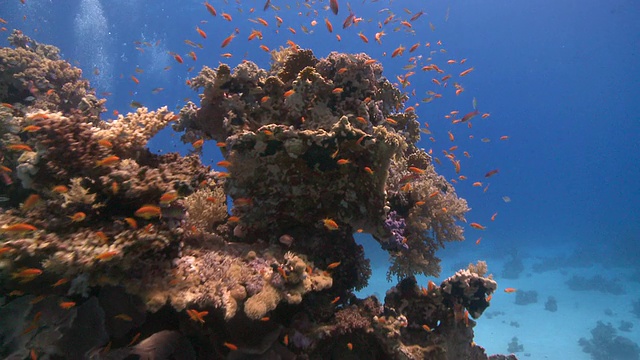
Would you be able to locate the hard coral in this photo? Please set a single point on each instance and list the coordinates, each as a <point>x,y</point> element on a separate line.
<point>33,75</point>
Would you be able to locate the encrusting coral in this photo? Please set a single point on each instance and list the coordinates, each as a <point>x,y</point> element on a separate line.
<point>314,153</point>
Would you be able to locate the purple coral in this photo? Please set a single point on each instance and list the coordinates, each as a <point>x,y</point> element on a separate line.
<point>396,225</point>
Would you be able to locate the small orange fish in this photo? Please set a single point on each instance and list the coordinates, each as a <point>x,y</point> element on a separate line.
<point>289,93</point>
<point>363,38</point>
<point>431,285</point>
<point>265,48</point>
<point>198,143</point>
<point>510,290</point>
<point>123,317</point>
<point>493,217</point>
<point>333,265</point>
<point>398,51</point>
<point>135,79</point>
<point>262,21</point>
<point>148,211</point>
<point>350,346</point>
<point>60,282</point>
<point>233,219</point>
<point>105,143</point>
<point>477,226</point>
<point>255,34</point>
<point>210,8</point>
<point>197,316</point>
<point>19,147</point>
<point>67,305</point>
<point>230,346</point>
<point>329,25</point>
<point>426,327</point>
<point>17,228</point>
<point>77,217</point>
<point>106,255</point>
<point>224,163</point>
<point>31,128</point>
<point>343,161</point>
<point>335,300</point>
<point>504,137</point>
<point>201,32</point>
<point>226,16</point>
<point>168,198</point>
<point>32,201</point>
<point>330,224</point>
<point>108,161</point>
<point>178,58</point>
<point>466,72</point>
<point>226,41</point>
<point>27,273</point>
<point>368,170</point>
<point>132,222</point>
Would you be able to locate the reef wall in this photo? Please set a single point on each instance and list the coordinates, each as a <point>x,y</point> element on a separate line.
<point>98,232</point>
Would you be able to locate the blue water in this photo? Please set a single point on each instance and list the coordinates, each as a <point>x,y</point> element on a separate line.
<point>561,79</point>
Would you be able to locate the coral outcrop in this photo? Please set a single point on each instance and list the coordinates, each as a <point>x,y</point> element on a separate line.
<point>99,232</point>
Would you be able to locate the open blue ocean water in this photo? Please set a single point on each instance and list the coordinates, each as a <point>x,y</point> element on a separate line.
<point>557,89</point>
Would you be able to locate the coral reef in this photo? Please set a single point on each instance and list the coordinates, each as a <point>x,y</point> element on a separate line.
<point>551,304</point>
<point>136,245</point>
<point>524,297</point>
<point>597,283</point>
<point>515,346</point>
<point>605,344</point>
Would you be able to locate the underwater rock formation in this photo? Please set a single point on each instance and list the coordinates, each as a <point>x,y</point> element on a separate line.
<point>141,246</point>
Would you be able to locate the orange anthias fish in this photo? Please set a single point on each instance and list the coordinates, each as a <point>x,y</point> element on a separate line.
<point>226,41</point>
<point>108,161</point>
<point>168,197</point>
<point>148,211</point>
<point>19,147</point>
<point>18,228</point>
<point>510,290</point>
<point>330,224</point>
<point>67,304</point>
<point>201,32</point>
<point>77,217</point>
<point>210,8</point>
<point>106,255</point>
<point>27,274</point>
<point>196,315</point>
<point>477,226</point>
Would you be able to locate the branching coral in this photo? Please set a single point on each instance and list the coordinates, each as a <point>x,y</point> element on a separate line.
<point>131,133</point>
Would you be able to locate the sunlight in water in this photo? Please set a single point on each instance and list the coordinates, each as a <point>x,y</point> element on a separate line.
<point>92,43</point>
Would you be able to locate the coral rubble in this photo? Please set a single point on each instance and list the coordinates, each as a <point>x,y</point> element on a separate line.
<point>98,230</point>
